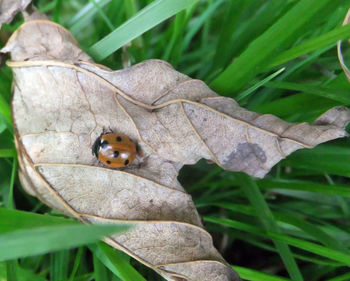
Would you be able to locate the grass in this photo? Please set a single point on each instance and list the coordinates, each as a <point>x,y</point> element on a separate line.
<point>275,57</point>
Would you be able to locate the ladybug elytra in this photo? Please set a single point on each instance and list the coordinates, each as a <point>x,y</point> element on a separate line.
<point>114,150</point>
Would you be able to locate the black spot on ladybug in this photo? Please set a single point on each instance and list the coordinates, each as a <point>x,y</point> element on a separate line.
<point>104,144</point>
<point>115,154</point>
<point>126,162</point>
<point>108,162</point>
<point>119,138</point>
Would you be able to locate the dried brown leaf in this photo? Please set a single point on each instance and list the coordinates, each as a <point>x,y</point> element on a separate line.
<point>340,54</point>
<point>62,102</point>
<point>10,8</point>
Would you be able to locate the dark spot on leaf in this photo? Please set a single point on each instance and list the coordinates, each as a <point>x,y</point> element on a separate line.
<point>115,154</point>
<point>126,162</point>
<point>119,138</point>
<point>108,162</point>
<point>246,157</point>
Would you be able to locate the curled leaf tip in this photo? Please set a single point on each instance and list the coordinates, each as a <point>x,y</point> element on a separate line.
<point>10,8</point>
<point>339,49</point>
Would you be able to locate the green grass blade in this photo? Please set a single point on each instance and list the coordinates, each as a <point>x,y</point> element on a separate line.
<point>47,8</point>
<point>3,124</point>
<point>257,200</point>
<point>288,106</point>
<point>12,220</point>
<point>84,17</point>
<point>339,190</point>
<point>11,268</point>
<point>22,274</point>
<point>178,30</point>
<point>323,158</point>
<point>76,264</point>
<point>5,110</point>
<point>313,248</point>
<point>324,40</point>
<point>10,202</point>
<point>253,275</point>
<point>85,11</point>
<point>100,271</point>
<point>342,201</point>
<point>7,153</point>
<point>341,96</point>
<point>200,21</point>
<point>130,8</point>
<point>259,84</point>
<point>150,16</point>
<point>259,16</point>
<point>312,230</point>
<point>28,275</point>
<point>260,52</point>
<point>308,228</point>
<point>256,241</point>
<point>102,15</point>
<point>344,277</point>
<point>56,14</point>
<point>116,261</point>
<point>224,46</point>
<point>267,94</point>
<point>42,240</point>
<point>59,265</point>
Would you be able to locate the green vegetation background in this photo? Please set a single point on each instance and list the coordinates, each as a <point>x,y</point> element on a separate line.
<point>273,56</point>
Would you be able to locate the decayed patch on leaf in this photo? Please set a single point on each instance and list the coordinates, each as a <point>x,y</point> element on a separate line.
<point>61,104</point>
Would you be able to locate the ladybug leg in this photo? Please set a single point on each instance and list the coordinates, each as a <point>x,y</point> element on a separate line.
<point>139,151</point>
<point>106,131</point>
<point>142,160</point>
<point>109,131</point>
<point>97,163</point>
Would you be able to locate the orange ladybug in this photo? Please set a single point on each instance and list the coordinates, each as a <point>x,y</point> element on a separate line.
<point>114,150</point>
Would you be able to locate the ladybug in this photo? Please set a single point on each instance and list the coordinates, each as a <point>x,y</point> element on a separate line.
<point>114,150</point>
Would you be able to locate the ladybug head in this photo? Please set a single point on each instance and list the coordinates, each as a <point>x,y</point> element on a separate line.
<point>96,146</point>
